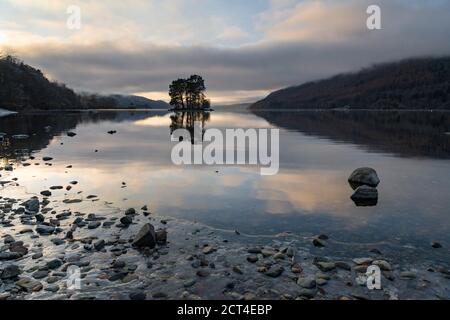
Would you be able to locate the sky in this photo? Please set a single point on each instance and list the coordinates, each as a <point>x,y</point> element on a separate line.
<point>244,49</point>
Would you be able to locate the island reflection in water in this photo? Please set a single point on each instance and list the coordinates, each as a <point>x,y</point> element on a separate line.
<point>310,194</point>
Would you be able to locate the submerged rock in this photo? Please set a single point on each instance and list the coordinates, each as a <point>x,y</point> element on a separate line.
<point>9,272</point>
<point>32,205</point>
<point>365,196</point>
<point>364,177</point>
<point>146,237</point>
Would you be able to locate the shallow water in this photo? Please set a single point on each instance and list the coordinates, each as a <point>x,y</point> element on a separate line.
<point>309,195</point>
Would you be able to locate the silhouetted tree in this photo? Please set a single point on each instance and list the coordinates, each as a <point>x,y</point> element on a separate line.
<point>189,93</point>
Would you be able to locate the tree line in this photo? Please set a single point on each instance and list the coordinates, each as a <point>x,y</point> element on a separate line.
<point>189,93</point>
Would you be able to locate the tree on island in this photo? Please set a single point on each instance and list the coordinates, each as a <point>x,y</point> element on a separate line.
<point>189,93</point>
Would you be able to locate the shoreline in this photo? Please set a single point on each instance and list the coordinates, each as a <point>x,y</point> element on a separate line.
<point>197,262</point>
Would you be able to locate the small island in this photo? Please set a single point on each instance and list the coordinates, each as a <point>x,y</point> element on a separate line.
<point>189,95</point>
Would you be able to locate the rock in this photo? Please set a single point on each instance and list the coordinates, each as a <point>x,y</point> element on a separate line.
<point>9,255</point>
<point>57,241</point>
<point>56,187</point>
<point>307,293</point>
<point>10,271</point>
<point>32,206</point>
<point>383,264</point>
<point>146,237</point>
<point>8,239</point>
<point>159,295</point>
<point>71,134</point>
<point>279,256</point>
<point>18,248</point>
<point>436,245</point>
<point>326,266</point>
<point>255,250</point>
<point>202,273</point>
<point>99,245</point>
<point>41,274</point>
<point>44,229</point>
<point>37,256</point>
<point>46,193</point>
<point>208,250</point>
<point>407,275</point>
<point>363,261</point>
<point>47,159</point>
<point>119,264</point>
<point>94,225</point>
<point>318,243</point>
<point>161,236</point>
<point>307,283</point>
<point>364,177</point>
<point>130,211</point>
<point>54,264</point>
<point>126,221</point>
<point>237,270</point>
<point>189,283</point>
<point>29,284</point>
<point>252,259</point>
<point>296,268</point>
<point>39,218</point>
<point>268,252</point>
<point>275,271</point>
<point>343,265</point>
<point>138,295</point>
<point>365,196</point>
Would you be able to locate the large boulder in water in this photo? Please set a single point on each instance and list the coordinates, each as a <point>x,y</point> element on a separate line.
<point>364,177</point>
<point>365,196</point>
<point>146,238</point>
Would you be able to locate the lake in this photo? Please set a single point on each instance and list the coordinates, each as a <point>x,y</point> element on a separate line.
<point>310,194</point>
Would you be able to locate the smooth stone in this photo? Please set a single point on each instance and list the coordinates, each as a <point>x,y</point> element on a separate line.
<point>208,250</point>
<point>161,236</point>
<point>94,225</point>
<point>363,261</point>
<point>10,271</point>
<point>126,220</point>
<point>252,259</point>
<point>29,284</point>
<point>275,272</point>
<point>364,176</point>
<point>44,229</point>
<point>40,274</point>
<point>99,245</point>
<point>146,237</point>
<point>54,264</point>
<point>326,266</point>
<point>307,283</point>
<point>383,264</point>
<point>138,295</point>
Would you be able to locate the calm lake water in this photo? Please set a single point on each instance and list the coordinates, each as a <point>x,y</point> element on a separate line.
<point>310,194</point>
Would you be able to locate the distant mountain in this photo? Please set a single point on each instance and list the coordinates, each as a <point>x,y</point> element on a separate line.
<point>132,101</point>
<point>23,87</point>
<point>421,83</point>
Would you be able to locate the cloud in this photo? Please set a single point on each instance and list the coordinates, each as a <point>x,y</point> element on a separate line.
<point>127,51</point>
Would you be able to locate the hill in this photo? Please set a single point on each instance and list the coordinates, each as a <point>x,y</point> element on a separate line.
<point>421,83</point>
<point>132,101</point>
<point>23,87</point>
